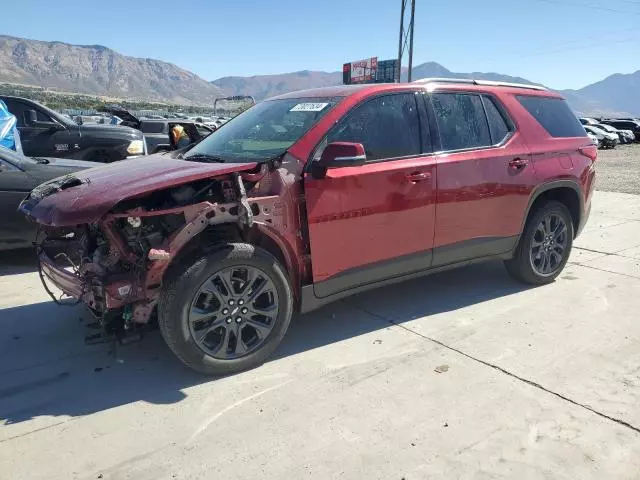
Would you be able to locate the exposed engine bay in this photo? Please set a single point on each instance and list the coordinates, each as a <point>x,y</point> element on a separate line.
<point>116,265</point>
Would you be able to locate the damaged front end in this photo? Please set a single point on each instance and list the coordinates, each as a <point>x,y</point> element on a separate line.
<point>115,265</point>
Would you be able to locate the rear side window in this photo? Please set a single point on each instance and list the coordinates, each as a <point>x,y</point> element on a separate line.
<point>153,127</point>
<point>387,127</point>
<point>497,125</point>
<point>554,115</point>
<point>461,121</point>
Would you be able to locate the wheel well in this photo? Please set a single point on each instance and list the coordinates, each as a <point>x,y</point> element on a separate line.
<point>212,237</point>
<point>565,195</point>
<point>208,239</point>
<point>266,243</point>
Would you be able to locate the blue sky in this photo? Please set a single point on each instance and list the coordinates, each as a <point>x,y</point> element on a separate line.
<point>562,43</point>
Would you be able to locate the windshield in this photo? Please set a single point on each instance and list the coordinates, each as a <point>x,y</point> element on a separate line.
<point>264,131</point>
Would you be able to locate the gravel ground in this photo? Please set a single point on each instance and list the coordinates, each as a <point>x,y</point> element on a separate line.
<point>619,169</point>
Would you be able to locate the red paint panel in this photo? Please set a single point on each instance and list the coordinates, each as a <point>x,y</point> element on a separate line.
<point>103,187</point>
<point>481,195</point>
<point>361,215</point>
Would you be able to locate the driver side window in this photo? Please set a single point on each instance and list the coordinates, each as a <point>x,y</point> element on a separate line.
<point>42,117</point>
<point>387,126</point>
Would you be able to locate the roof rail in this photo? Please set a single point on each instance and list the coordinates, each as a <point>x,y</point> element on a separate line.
<point>472,81</point>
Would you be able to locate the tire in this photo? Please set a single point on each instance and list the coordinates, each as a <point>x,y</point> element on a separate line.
<point>182,292</point>
<point>525,266</point>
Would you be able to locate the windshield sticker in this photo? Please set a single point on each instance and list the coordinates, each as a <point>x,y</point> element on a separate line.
<point>308,107</point>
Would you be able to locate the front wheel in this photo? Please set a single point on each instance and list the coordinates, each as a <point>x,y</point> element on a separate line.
<point>227,311</point>
<point>544,246</point>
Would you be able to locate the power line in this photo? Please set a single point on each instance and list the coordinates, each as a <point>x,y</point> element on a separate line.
<point>592,7</point>
<point>579,44</point>
<point>581,47</point>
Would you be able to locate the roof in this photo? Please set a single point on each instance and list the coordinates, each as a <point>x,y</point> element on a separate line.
<point>456,83</point>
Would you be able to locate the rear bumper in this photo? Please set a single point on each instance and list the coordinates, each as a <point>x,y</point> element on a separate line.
<point>589,187</point>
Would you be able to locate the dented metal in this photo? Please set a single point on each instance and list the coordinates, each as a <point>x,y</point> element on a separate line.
<point>127,250</point>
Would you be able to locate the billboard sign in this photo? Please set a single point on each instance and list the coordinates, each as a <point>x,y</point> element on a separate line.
<point>370,71</point>
<point>361,71</point>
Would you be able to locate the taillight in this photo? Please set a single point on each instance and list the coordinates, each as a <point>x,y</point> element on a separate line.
<point>590,151</point>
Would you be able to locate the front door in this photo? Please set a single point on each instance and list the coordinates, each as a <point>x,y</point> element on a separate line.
<point>485,178</point>
<point>374,221</point>
<point>41,141</point>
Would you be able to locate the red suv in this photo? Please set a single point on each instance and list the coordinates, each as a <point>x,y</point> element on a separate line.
<point>313,196</point>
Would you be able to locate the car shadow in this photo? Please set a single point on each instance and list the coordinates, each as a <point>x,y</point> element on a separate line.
<point>47,370</point>
<point>22,260</point>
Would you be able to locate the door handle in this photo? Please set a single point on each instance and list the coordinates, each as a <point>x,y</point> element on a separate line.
<point>416,177</point>
<point>518,163</point>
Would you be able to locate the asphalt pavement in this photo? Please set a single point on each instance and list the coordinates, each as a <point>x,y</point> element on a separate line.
<point>464,374</point>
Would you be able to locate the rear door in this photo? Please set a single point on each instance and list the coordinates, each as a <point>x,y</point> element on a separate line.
<point>374,221</point>
<point>484,175</point>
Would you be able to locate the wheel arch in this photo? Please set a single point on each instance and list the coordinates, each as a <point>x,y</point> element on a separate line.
<point>215,237</point>
<point>567,192</point>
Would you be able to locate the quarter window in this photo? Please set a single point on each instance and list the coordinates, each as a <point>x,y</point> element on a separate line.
<point>498,128</point>
<point>554,115</point>
<point>461,121</point>
<point>387,127</point>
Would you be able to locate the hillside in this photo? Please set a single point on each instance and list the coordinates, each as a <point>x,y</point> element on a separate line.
<point>618,92</point>
<point>265,86</point>
<point>617,95</point>
<point>98,70</point>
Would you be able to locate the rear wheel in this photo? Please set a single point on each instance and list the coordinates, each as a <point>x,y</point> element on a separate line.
<point>544,246</point>
<point>226,311</point>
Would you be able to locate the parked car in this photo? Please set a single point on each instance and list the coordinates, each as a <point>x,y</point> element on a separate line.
<point>624,136</point>
<point>46,133</point>
<point>313,196</point>
<point>632,125</point>
<point>156,131</point>
<point>18,176</point>
<point>589,121</point>
<point>606,139</point>
<point>594,139</point>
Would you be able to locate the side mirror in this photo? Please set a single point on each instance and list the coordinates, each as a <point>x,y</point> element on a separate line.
<point>32,121</point>
<point>338,155</point>
<point>30,117</point>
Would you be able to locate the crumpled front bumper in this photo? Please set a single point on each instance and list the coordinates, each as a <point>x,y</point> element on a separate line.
<point>100,297</point>
<point>69,282</point>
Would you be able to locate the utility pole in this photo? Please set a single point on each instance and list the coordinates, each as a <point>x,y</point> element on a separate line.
<point>405,36</point>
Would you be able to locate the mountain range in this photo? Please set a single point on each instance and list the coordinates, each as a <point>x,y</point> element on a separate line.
<point>100,71</point>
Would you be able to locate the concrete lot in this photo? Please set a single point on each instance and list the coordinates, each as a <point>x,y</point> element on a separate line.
<point>464,374</point>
